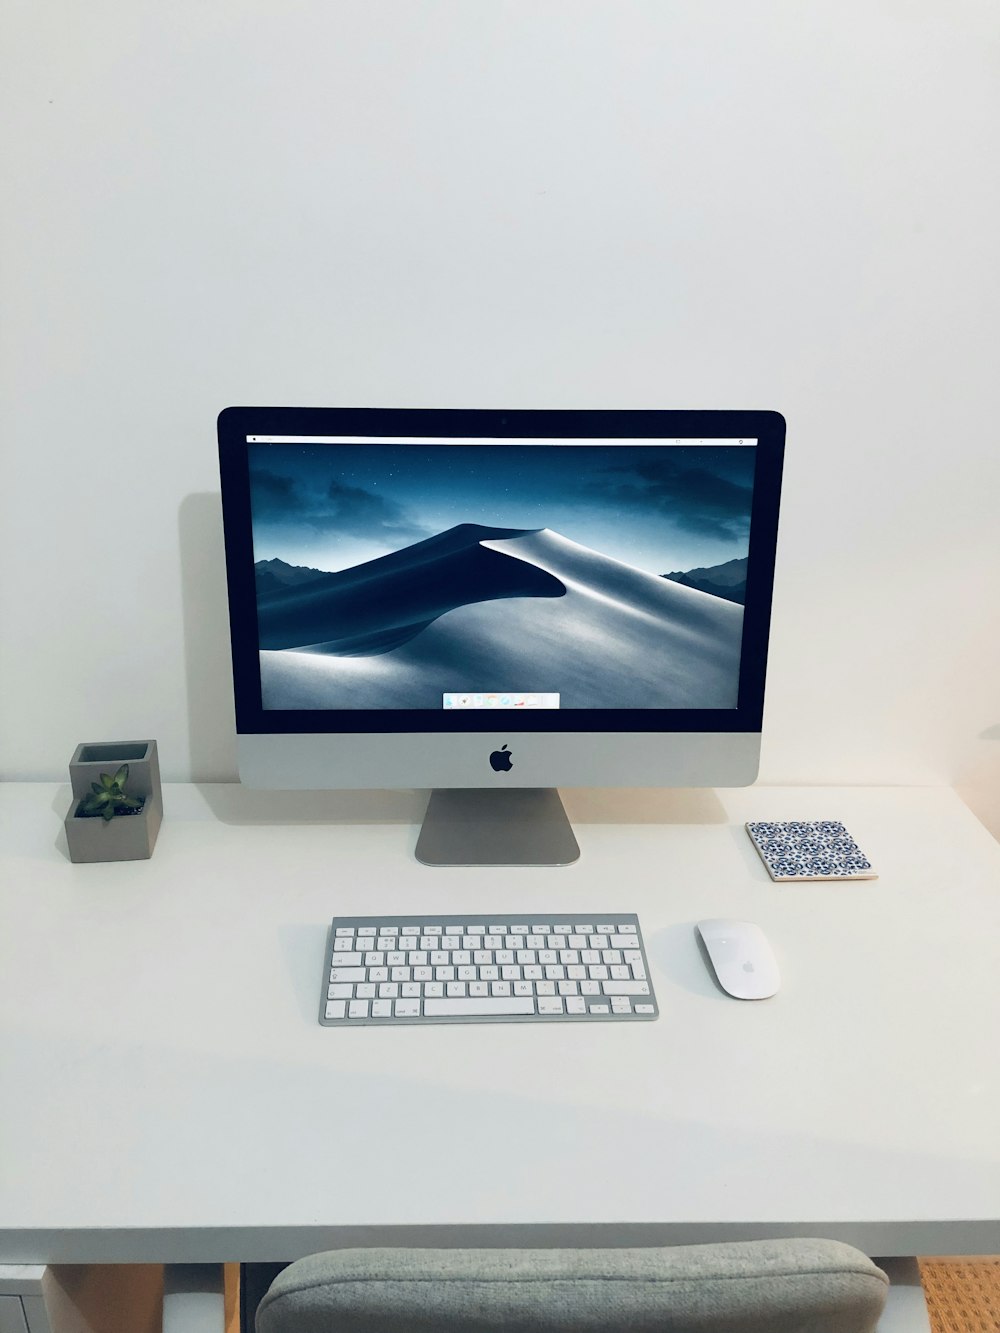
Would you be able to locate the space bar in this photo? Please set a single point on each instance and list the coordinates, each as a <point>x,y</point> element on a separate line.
<point>489,1005</point>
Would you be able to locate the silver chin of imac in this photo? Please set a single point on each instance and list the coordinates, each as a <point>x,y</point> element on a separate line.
<point>494,800</point>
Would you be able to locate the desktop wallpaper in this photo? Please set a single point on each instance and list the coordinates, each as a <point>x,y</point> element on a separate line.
<point>595,576</point>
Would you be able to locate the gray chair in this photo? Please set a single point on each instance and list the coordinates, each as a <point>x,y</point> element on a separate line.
<point>767,1286</point>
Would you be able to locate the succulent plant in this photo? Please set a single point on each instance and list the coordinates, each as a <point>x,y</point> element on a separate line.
<point>108,797</point>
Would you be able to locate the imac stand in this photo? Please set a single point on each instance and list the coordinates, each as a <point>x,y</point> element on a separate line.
<point>526,826</point>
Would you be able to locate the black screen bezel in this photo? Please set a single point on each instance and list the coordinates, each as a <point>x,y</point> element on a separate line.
<point>236,423</point>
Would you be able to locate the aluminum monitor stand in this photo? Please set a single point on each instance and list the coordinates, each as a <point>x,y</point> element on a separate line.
<point>526,826</point>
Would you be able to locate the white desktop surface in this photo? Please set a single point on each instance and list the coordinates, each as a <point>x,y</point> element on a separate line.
<point>168,1093</point>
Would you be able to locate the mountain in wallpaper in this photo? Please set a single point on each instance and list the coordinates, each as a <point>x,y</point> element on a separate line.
<point>728,580</point>
<point>484,608</point>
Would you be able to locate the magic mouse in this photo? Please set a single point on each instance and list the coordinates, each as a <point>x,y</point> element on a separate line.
<point>742,958</point>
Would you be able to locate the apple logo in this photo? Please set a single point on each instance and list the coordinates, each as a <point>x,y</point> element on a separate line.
<point>748,967</point>
<point>500,760</point>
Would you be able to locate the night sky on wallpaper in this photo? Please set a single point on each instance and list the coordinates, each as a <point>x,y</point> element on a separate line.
<point>656,507</point>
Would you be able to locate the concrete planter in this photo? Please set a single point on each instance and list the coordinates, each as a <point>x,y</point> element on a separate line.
<point>126,837</point>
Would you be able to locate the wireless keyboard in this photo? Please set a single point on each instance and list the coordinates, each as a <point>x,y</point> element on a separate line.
<point>485,969</point>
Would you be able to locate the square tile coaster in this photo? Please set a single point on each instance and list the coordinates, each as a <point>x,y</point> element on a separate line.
<point>809,849</point>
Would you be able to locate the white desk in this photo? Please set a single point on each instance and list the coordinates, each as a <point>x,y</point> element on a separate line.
<point>169,1094</point>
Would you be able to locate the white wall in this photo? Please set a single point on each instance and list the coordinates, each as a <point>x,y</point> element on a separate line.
<point>505,203</point>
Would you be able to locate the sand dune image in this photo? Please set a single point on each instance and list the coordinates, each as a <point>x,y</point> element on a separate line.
<point>480,609</point>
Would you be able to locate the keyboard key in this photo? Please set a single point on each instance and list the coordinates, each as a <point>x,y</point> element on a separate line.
<point>576,1004</point>
<point>381,1008</point>
<point>625,987</point>
<point>348,974</point>
<point>342,990</point>
<point>645,1009</point>
<point>600,1009</point>
<point>513,1004</point>
<point>621,1004</point>
<point>407,1009</point>
<point>550,1004</point>
<point>357,1009</point>
<point>336,1008</point>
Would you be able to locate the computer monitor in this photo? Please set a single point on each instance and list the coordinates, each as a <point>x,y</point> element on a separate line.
<point>494,604</point>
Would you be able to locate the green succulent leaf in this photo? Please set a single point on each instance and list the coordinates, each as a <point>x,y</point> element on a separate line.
<point>107,781</point>
<point>96,787</point>
<point>129,802</point>
<point>121,777</point>
<point>108,813</point>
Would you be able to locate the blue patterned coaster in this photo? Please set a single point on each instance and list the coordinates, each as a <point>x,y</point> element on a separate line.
<point>809,849</point>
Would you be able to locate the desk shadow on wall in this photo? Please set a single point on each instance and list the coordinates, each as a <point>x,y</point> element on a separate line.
<point>207,661</point>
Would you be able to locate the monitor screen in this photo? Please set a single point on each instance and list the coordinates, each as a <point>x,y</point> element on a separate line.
<point>486,574</point>
<point>483,580</point>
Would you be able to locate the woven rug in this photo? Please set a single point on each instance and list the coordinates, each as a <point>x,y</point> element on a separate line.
<point>962,1296</point>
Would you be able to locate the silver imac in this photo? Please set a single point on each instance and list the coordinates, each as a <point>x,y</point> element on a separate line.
<point>495,604</point>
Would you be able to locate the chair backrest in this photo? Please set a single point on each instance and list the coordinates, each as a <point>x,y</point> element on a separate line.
<point>767,1286</point>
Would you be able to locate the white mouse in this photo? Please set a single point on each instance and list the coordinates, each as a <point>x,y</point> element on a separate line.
<point>742,958</point>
